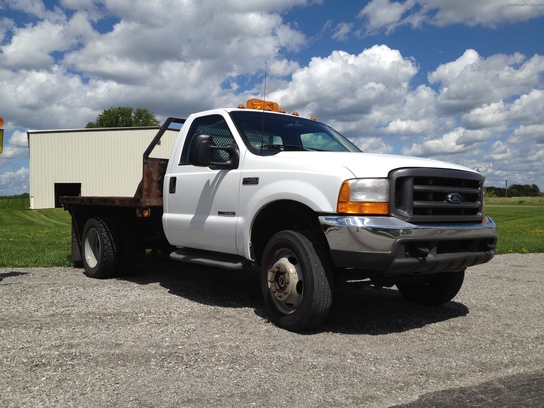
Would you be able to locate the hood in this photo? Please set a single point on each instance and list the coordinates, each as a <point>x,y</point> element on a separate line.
<point>365,164</point>
<point>379,165</point>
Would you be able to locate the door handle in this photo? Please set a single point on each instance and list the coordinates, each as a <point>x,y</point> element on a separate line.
<point>172,185</point>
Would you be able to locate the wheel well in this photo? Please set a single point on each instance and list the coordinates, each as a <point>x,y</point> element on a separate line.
<point>278,216</point>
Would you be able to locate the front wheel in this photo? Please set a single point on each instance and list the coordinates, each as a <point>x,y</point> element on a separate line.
<point>294,281</point>
<point>434,289</point>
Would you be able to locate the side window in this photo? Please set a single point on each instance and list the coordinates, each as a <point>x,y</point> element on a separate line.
<point>217,128</point>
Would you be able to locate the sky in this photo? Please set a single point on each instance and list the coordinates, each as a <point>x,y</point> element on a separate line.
<point>460,81</point>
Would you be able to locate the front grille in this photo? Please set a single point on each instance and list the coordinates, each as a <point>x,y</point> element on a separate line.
<point>436,195</point>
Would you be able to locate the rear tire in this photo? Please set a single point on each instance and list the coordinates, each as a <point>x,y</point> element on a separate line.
<point>100,248</point>
<point>432,290</point>
<point>296,289</point>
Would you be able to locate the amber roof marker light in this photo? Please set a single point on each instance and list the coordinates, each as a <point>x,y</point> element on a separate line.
<point>262,105</point>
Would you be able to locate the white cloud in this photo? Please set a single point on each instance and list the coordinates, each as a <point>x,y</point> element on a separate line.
<point>196,48</point>
<point>408,127</point>
<point>386,15</point>
<point>499,151</point>
<point>472,81</point>
<point>453,69</point>
<point>382,14</point>
<point>347,85</point>
<point>518,161</point>
<point>373,145</point>
<point>342,31</point>
<point>266,5</point>
<point>44,99</point>
<point>6,25</point>
<point>169,58</point>
<point>531,135</point>
<point>526,109</point>
<point>13,183</point>
<point>30,47</point>
<point>483,12</point>
<point>34,8</point>
<point>16,147</point>
<point>457,141</point>
<point>364,95</point>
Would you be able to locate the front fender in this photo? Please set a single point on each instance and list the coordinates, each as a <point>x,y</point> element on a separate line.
<point>319,195</point>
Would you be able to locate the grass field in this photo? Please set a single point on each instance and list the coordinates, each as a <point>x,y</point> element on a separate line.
<point>515,201</point>
<point>42,237</point>
<point>520,223</point>
<point>33,237</point>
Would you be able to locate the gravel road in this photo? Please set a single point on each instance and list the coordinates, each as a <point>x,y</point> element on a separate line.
<point>180,335</point>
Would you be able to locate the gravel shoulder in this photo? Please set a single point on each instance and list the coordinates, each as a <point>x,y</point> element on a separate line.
<point>180,335</point>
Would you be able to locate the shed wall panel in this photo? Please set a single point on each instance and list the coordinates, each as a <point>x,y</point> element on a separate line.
<point>107,162</point>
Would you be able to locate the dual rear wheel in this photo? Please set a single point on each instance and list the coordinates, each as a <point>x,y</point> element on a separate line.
<point>108,248</point>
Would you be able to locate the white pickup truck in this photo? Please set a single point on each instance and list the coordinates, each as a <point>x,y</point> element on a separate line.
<point>253,187</point>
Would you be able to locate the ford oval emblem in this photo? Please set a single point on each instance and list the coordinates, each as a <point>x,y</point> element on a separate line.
<point>455,198</point>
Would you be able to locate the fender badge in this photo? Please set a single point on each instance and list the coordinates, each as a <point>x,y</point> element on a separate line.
<point>250,181</point>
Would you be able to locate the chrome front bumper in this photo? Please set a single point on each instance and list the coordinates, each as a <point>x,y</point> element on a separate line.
<point>390,246</point>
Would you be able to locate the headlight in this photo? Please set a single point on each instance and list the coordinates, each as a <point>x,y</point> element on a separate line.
<point>364,196</point>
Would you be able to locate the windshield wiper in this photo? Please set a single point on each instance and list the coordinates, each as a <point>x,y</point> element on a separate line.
<point>283,147</point>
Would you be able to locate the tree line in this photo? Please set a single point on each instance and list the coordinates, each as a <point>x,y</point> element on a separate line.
<point>515,190</point>
<point>124,116</point>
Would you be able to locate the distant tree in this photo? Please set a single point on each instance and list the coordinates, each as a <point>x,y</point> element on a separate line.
<point>524,190</point>
<point>494,191</point>
<point>124,117</point>
<point>142,117</point>
<point>490,192</point>
<point>515,190</point>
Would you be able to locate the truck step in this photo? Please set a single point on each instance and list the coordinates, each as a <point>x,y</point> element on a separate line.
<point>209,258</point>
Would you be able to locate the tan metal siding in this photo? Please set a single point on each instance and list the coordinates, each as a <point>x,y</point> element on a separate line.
<point>106,162</point>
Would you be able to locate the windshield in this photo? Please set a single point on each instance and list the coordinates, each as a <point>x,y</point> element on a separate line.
<point>269,133</point>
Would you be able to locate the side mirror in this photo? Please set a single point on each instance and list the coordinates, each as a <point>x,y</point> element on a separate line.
<point>200,150</point>
<point>201,153</point>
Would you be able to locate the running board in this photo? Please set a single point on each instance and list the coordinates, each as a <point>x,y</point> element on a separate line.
<point>209,258</point>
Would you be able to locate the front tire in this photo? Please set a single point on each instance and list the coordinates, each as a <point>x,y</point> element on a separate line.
<point>432,290</point>
<point>295,285</point>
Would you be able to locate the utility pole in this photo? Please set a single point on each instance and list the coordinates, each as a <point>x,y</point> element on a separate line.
<point>506,188</point>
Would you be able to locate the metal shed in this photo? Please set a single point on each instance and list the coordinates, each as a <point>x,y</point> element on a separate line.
<point>91,162</point>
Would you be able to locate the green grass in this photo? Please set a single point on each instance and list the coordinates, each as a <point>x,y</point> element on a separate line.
<point>33,237</point>
<point>520,224</point>
<point>515,201</point>
<point>14,203</point>
<point>43,237</point>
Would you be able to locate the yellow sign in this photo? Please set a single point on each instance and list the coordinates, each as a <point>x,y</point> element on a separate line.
<point>1,135</point>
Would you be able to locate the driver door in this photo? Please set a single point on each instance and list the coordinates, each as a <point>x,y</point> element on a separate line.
<point>201,203</point>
